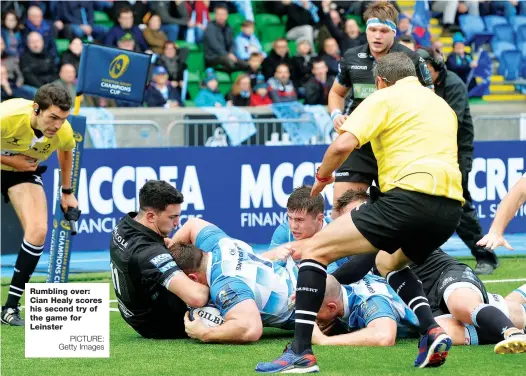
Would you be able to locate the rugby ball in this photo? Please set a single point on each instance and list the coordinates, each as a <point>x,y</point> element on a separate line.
<point>210,315</point>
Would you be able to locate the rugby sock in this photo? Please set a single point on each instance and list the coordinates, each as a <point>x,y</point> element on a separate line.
<point>310,291</point>
<point>493,322</point>
<point>25,265</point>
<point>471,336</point>
<point>409,288</point>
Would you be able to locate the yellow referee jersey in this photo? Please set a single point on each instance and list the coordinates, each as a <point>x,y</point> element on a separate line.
<point>19,138</point>
<point>413,134</point>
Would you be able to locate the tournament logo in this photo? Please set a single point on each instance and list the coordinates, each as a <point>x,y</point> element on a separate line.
<point>55,223</point>
<point>119,66</point>
<point>65,225</point>
<point>77,137</point>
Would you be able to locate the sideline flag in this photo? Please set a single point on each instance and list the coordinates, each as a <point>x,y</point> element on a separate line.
<point>113,73</point>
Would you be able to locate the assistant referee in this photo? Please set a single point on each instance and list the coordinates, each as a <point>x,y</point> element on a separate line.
<point>31,132</point>
<point>413,134</point>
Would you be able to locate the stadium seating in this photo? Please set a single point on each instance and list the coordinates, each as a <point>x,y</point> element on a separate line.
<point>62,45</point>
<point>510,64</point>
<point>521,34</point>
<point>518,22</point>
<point>474,30</point>
<point>505,33</point>
<point>499,47</point>
<point>493,22</point>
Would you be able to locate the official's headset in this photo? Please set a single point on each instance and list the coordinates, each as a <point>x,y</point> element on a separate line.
<point>436,60</point>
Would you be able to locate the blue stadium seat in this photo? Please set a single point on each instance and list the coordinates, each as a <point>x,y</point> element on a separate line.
<point>504,33</point>
<point>510,65</point>
<point>522,49</point>
<point>499,47</point>
<point>474,29</point>
<point>518,22</point>
<point>521,34</point>
<point>494,21</point>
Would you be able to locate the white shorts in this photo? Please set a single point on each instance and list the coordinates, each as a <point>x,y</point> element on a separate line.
<point>499,302</point>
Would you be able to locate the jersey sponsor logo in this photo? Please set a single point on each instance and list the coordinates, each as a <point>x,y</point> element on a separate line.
<point>446,281</point>
<point>168,266</point>
<point>44,150</point>
<point>342,174</point>
<point>362,91</point>
<point>119,66</point>
<point>14,141</point>
<point>368,284</point>
<point>369,308</point>
<point>359,67</point>
<point>307,289</point>
<point>362,55</point>
<point>160,259</point>
<point>226,297</point>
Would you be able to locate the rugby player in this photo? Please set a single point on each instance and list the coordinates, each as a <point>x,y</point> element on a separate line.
<point>413,135</point>
<point>452,288</point>
<point>355,79</point>
<point>250,290</point>
<point>31,132</point>
<point>151,290</point>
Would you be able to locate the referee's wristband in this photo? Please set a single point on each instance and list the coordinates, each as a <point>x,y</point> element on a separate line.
<point>335,113</point>
<point>67,191</point>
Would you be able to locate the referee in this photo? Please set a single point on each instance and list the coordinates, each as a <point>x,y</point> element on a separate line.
<point>452,89</point>
<point>31,132</point>
<point>412,132</point>
<point>151,290</point>
<point>355,79</point>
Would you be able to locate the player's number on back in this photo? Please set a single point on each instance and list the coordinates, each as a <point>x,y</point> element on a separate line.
<point>115,279</point>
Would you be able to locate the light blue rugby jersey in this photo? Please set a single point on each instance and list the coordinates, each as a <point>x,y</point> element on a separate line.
<point>283,235</point>
<point>372,298</point>
<point>235,273</point>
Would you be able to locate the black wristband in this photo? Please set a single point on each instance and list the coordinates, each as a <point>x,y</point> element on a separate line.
<point>67,191</point>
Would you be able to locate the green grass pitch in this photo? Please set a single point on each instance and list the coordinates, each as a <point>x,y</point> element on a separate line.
<point>134,356</point>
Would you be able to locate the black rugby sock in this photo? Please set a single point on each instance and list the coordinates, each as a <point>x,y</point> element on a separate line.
<point>409,288</point>
<point>310,291</point>
<point>25,265</point>
<point>492,322</point>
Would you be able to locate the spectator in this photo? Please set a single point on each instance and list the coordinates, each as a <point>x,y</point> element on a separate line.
<point>6,89</point>
<point>459,61</point>
<point>244,7</point>
<point>260,95</point>
<point>199,17</point>
<point>160,93</point>
<point>246,42</point>
<point>14,78</point>
<point>328,17</point>
<point>78,20</point>
<point>404,25</point>
<point>125,27</point>
<point>67,79</point>
<point>173,14</point>
<point>19,7</point>
<point>139,9</point>
<point>318,87</point>
<point>171,61</point>
<point>219,43</point>
<point>154,36</point>
<point>302,17</point>
<point>301,65</point>
<point>437,46</point>
<point>408,41</point>
<point>11,33</point>
<point>127,43</point>
<point>280,87</point>
<point>278,55</point>
<point>38,66</point>
<point>35,23</point>
<point>449,11</point>
<point>359,7</point>
<point>254,67</point>
<point>209,96</point>
<point>331,55</point>
<point>72,55</point>
<point>240,93</point>
<point>350,37</point>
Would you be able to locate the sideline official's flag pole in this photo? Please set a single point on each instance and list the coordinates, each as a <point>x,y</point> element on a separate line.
<point>104,72</point>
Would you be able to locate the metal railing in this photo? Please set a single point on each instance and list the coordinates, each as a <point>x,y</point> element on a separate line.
<point>132,124</point>
<point>197,132</point>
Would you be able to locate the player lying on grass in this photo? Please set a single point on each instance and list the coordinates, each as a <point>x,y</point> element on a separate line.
<point>451,288</point>
<point>305,217</point>
<point>250,290</point>
<point>519,295</point>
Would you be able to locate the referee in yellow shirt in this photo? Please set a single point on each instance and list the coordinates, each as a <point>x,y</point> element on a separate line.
<point>31,132</point>
<point>413,134</point>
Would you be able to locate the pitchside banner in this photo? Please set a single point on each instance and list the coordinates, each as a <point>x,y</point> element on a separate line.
<point>113,73</point>
<point>60,242</point>
<point>244,190</point>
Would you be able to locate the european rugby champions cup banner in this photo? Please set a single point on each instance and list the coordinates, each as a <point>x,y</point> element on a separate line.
<point>61,241</point>
<point>244,190</point>
<point>113,73</point>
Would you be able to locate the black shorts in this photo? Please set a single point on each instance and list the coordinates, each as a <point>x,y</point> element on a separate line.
<point>11,178</point>
<point>454,274</point>
<point>416,222</point>
<point>166,321</point>
<point>361,166</point>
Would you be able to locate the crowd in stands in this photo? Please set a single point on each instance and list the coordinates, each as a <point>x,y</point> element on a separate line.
<point>319,32</point>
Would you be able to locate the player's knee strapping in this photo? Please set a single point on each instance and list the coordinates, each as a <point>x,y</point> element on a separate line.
<point>310,291</point>
<point>26,263</point>
<point>409,288</point>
